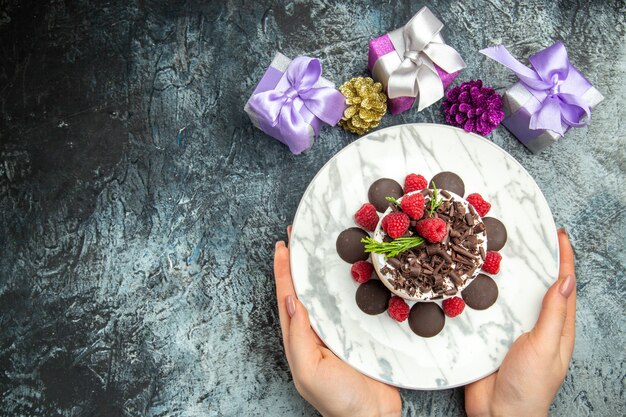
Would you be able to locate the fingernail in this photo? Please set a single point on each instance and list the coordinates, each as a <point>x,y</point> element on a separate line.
<point>280,244</point>
<point>563,231</point>
<point>567,286</point>
<point>291,305</point>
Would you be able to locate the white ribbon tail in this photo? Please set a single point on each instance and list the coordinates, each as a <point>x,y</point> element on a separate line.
<point>430,87</point>
<point>445,56</point>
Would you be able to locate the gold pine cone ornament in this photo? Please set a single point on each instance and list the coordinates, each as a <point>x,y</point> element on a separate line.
<point>367,104</point>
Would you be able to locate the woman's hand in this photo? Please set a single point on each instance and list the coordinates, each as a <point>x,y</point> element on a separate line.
<point>537,362</point>
<point>329,384</point>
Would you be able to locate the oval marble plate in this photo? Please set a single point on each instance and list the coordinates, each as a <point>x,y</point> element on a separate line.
<point>470,346</point>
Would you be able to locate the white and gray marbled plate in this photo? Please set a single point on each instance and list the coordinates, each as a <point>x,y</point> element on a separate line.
<point>470,346</point>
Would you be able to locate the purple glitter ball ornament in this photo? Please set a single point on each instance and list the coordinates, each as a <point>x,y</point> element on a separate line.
<point>473,107</point>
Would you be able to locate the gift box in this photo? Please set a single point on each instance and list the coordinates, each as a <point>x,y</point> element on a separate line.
<point>550,98</point>
<point>414,63</point>
<point>293,101</point>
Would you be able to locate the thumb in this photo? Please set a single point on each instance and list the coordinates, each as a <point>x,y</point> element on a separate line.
<point>549,327</point>
<point>303,348</point>
<point>479,394</point>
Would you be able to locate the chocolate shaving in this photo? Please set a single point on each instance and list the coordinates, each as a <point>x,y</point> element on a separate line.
<point>470,272</point>
<point>462,251</point>
<point>415,271</point>
<point>465,261</point>
<point>395,262</point>
<point>456,279</point>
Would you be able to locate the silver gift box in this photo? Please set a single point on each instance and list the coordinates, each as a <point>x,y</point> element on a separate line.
<point>518,96</point>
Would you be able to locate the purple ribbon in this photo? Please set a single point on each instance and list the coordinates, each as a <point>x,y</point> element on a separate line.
<point>556,84</point>
<point>283,105</point>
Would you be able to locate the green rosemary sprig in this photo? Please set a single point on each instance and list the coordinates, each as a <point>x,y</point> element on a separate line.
<point>435,201</point>
<point>393,201</point>
<point>393,248</point>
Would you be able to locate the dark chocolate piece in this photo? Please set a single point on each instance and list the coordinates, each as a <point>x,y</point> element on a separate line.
<point>448,181</point>
<point>381,188</point>
<point>372,297</point>
<point>456,279</point>
<point>349,245</point>
<point>496,233</point>
<point>481,293</point>
<point>426,319</point>
<point>396,263</point>
<point>462,251</point>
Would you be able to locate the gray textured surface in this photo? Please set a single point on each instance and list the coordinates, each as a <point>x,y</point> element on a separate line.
<point>135,277</point>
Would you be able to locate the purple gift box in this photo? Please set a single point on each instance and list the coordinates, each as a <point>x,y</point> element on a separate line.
<point>550,98</point>
<point>293,101</point>
<point>414,57</point>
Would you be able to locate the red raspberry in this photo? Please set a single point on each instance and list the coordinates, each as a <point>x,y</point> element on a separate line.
<point>492,262</point>
<point>367,217</point>
<point>398,309</point>
<point>396,224</point>
<point>414,182</point>
<point>433,229</point>
<point>413,205</point>
<point>481,206</point>
<point>362,271</point>
<point>453,306</point>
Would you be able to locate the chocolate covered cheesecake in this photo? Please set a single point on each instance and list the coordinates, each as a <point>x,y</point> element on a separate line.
<point>436,270</point>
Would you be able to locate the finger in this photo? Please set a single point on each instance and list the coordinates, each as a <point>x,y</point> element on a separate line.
<point>566,268</point>
<point>289,232</point>
<point>554,309</point>
<point>566,255</point>
<point>318,340</point>
<point>304,351</point>
<point>284,287</point>
<point>478,395</point>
